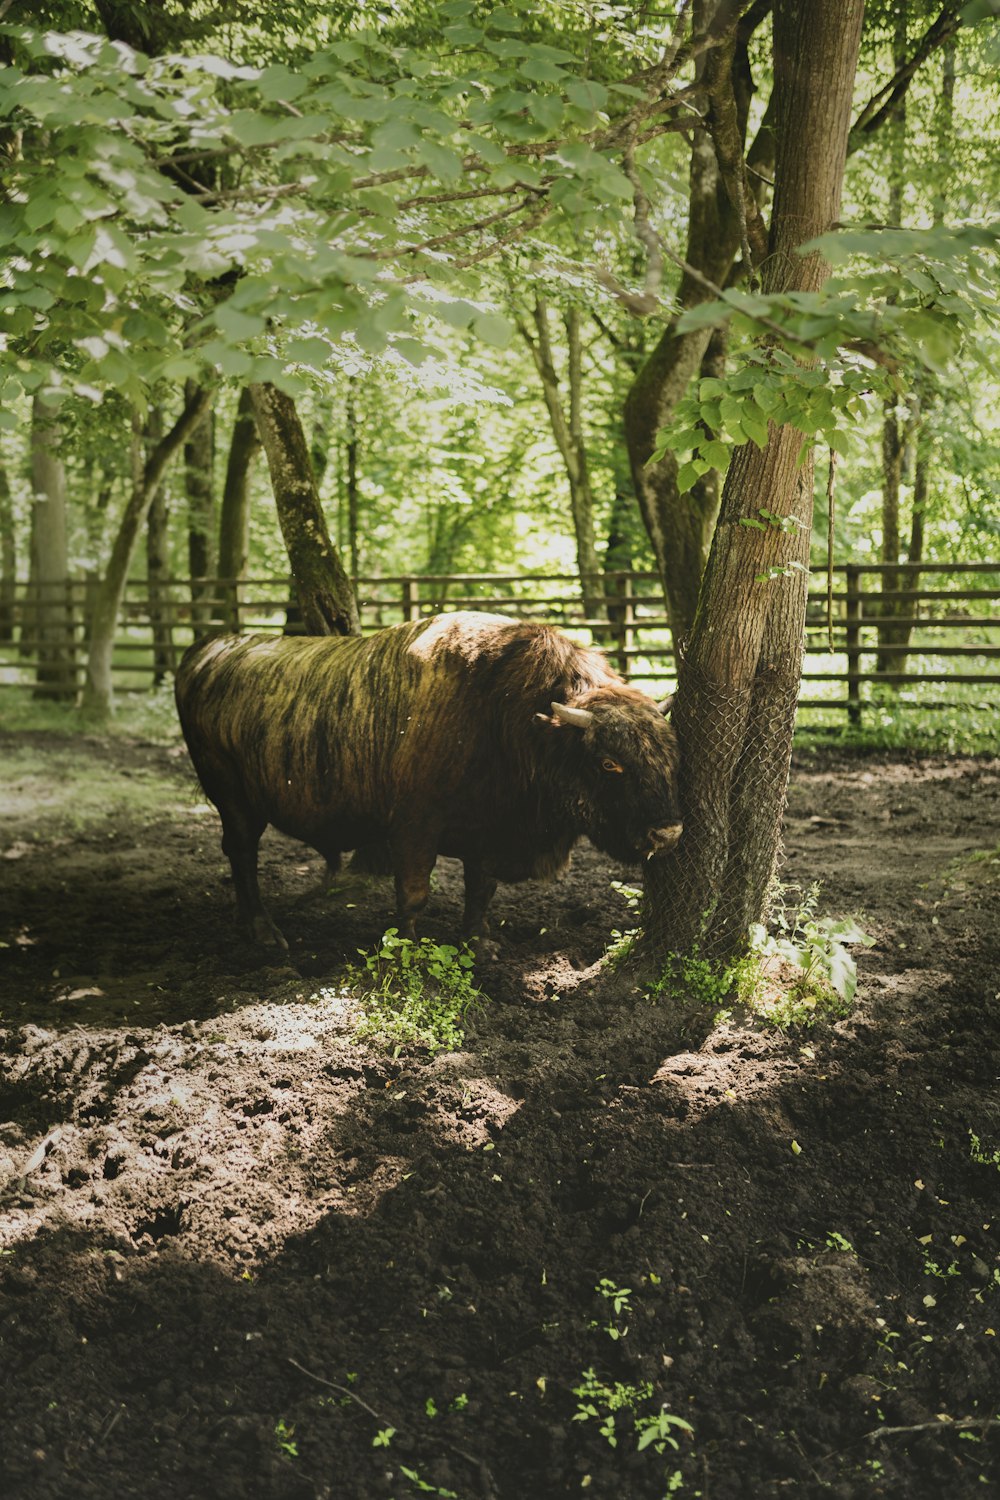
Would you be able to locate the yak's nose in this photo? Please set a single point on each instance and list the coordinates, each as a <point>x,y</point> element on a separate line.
<point>659,840</point>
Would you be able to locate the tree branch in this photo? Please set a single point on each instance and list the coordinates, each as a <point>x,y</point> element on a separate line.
<point>881,105</point>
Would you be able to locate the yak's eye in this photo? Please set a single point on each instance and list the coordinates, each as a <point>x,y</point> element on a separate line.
<point>607,764</point>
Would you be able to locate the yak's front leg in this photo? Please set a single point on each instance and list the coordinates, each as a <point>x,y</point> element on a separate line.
<point>241,831</point>
<point>413,859</point>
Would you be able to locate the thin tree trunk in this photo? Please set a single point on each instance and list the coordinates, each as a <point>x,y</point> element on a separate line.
<point>738,688</point>
<point>894,424</point>
<point>352,448</point>
<point>581,491</point>
<point>157,553</point>
<point>98,694</point>
<point>8,559</point>
<point>54,641</point>
<point>234,521</point>
<point>923,435</point>
<point>567,429</point>
<point>322,587</point>
<point>199,456</point>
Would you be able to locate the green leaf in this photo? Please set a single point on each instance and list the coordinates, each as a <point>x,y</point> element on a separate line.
<point>705,315</point>
<point>589,95</point>
<point>717,454</point>
<point>445,164</point>
<point>541,71</point>
<point>494,329</point>
<point>237,325</point>
<point>687,475</point>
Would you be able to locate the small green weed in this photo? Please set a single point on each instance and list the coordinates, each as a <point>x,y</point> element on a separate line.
<point>618,1296</point>
<point>608,1404</point>
<point>623,940</point>
<point>423,1486</point>
<point>705,981</point>
<point>978,1152</point>
<point>285,1436</point>
<point>415,993</point>
<point>804,968</point>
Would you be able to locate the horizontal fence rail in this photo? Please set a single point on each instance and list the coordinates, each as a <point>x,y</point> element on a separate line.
<point>904,627</point>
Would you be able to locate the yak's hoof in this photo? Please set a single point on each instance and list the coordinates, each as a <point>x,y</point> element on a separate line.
<point>267,935</point>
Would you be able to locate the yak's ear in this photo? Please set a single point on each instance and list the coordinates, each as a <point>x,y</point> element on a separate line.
<point>666,704</point>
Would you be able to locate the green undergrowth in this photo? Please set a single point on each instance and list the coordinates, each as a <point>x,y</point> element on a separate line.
<point>799,968</point>
<point>414,993</point>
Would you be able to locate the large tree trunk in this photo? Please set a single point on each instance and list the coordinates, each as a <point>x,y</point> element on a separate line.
<point>234,521</point>
<point>680,527</point>
<point>322,588</point>
<point>199,465</point>
<point>54,643</point>
<point>738,688</point>
<point>98,694</point>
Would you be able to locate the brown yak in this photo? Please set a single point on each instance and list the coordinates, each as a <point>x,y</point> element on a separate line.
<point>493,740</point>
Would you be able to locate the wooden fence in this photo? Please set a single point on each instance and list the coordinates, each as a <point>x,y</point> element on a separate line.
<point>929,632</point>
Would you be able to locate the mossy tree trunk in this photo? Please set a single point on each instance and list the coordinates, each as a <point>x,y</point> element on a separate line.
<point>724,216</point>
<point>323,590</point>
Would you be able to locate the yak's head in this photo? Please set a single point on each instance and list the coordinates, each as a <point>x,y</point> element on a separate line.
<point>620,763</point>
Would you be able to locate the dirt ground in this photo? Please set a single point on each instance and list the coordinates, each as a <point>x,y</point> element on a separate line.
<point>243,1256</point>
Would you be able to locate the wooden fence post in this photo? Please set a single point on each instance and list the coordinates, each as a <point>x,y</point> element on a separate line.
<point>853,643</point>
<point>411,600</point>
<point>622,616</point>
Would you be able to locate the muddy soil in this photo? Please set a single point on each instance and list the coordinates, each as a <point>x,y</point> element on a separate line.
<point>610,1248</point>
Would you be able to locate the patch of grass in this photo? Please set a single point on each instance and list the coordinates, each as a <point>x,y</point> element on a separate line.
<point>415,993</point>
<point>148,716</point>
<point>62,787</point>
<point>896,721</point>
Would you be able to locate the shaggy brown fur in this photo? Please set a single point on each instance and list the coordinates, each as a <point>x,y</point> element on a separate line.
<point>438,737</point>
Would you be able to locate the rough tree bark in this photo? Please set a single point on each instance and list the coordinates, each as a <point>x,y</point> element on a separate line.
<point>52,612</point>
<point>234,519</point>
<point>98,693</point>
<point>322,587</point>
<point>738,687</point>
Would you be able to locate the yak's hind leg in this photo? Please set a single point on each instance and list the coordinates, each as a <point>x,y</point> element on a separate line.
<point>480,888</point>
<point>241,833</point>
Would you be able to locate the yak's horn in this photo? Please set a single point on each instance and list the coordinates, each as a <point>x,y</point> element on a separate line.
<point>579,717</point>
